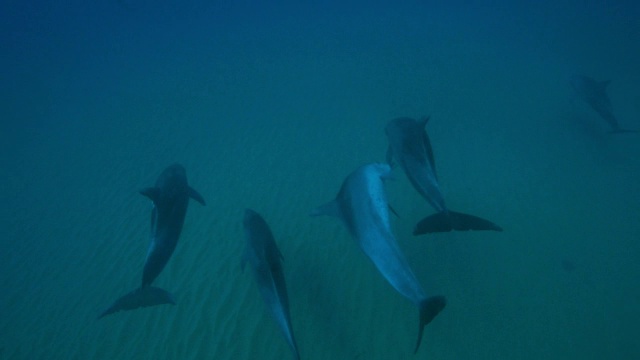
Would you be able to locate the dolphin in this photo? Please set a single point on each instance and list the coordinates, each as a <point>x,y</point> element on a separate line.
<point>362,206</point>
<point>170,197</point>
<point>409,145</point>
<point>263,255</point>
<point>594,93</point>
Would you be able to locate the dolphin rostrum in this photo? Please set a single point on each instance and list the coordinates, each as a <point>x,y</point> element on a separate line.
<point>594,93</point>
<point>170,197</point>
<point>409,145</point>
<point>362,206</point>
<point>263,255</point>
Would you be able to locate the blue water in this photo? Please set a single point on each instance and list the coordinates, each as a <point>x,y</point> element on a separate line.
<point>270,106</point>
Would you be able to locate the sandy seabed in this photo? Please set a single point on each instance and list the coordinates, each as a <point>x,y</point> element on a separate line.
<point>559,282</point>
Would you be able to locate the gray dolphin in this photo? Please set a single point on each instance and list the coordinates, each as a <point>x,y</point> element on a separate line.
<point>362,206</point>
<point>170,198</point>
<point>409,145</point>
<point>263,255</point>
<point>594,93</point>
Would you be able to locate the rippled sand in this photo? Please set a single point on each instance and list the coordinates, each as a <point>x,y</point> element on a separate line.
<point>75,230</point>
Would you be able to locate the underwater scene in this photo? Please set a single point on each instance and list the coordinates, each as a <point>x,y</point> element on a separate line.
<point>351,180</point>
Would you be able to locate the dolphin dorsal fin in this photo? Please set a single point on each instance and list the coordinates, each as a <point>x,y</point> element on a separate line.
<point>153,193</point>
<point>196,196</point>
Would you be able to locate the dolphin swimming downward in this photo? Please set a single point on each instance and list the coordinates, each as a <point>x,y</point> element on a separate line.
<point>265,258</point>
<point>170,198</point>
<point>594,93</point>
<point>409,145</point>
<point>362,206</point>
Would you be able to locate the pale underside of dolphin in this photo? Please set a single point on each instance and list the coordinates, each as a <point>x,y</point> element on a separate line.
<point>595,94</point>
<point>170,198</point>
<point>410,147</point>
<point>263,255</point>
<point>362,206</point>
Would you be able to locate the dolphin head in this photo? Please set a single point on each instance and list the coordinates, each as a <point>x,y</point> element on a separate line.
<point>173,180</point>
<point>590,90</point>
<point>399,126</point>
<point>261,246</point>
<point>174,171</point>
<point>251,218</point>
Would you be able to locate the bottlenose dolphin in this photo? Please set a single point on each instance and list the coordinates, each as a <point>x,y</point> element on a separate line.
<point>409,145</point>
<point>170,197</point>
<point>263,255</point>
<point>594,93</point>
<point>362,206</point>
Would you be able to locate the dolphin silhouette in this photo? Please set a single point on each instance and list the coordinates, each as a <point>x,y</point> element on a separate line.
<point>170,197</point>
<point>409,145</point>
<point>362,206</point>
<point>263,255</point>
<point>594,93</point>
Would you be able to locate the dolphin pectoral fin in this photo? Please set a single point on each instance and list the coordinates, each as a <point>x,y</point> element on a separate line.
<point>450,220</point>
<point>153,193</point>
<point>331,208</point>
<point>429,309</point>
<point>140,297</point>
<point>196,196</point>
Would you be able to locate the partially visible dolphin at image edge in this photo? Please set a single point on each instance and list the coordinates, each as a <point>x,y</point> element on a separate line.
<point>170,197</point>
<point>594,93</point>
<point>409,145</point>
<point>362,206</point>
<point>263,255</point>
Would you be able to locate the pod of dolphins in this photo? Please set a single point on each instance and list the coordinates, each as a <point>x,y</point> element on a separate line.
<point>361,205</point>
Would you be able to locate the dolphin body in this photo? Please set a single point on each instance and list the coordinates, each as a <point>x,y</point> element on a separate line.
<point>594,93</point>
<point>362,206</point>
<point>170,197</point>
<point>263,255</point>
<point>409,145</point>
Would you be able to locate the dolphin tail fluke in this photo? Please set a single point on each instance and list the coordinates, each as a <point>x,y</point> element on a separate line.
<point>141,297</point>
<point>429,309</point>
<point>450,220</point>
